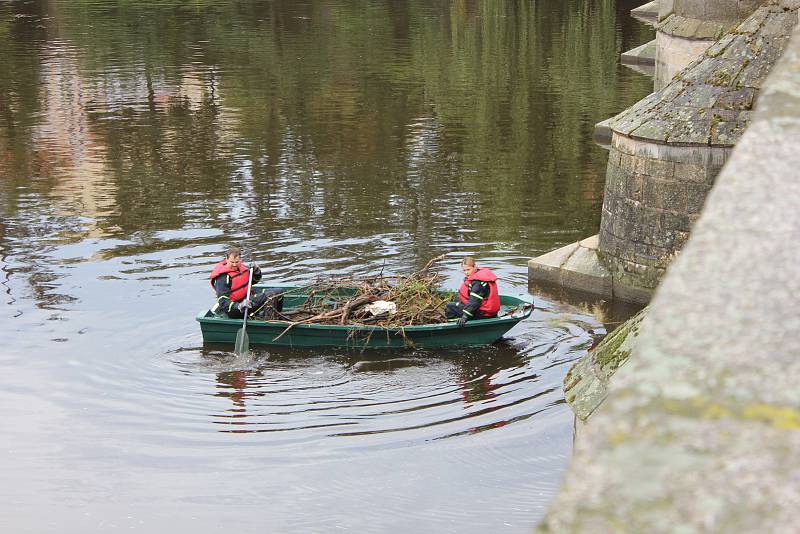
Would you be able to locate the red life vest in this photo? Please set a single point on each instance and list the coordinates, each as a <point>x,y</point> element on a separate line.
<point>239,279</point>
<point>491,304</point>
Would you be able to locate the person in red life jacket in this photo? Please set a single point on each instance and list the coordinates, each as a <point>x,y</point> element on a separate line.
<point>477,297</point>
<point>230,278</point>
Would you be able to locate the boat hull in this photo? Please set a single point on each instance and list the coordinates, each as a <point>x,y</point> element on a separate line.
<point>217,329</point>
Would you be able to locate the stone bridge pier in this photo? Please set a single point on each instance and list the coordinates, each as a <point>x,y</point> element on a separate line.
<point>667,150</point>
<point>688,415</point>
<point>686,28</point>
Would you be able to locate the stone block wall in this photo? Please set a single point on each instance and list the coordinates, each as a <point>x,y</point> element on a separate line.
<point>667,149</point>
<point>688,27</point>
<point>726,11</point>
<point>654,194</point>
<point>673,53</point>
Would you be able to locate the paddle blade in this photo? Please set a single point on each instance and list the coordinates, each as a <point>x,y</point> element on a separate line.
<point>242,342</point>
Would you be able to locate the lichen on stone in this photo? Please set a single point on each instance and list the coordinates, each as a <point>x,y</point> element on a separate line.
<point>740,60</point>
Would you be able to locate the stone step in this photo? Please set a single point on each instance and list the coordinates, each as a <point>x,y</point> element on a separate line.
<point>577,267</point>
<point>574,266</point>
<point>641,55</point>
<point>647,13</point>
<point>645,70</point>
<point>602,133</point>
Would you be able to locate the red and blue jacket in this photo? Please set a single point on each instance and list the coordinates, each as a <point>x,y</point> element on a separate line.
<point>231,285</point>
<point>479,293</point>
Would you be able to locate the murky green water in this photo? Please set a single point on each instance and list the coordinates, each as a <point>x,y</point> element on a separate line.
<point>137,139</point>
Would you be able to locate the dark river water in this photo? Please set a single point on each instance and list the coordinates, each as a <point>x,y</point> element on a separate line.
<point>328,138</point>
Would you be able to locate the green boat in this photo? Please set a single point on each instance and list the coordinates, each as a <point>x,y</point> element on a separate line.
<point>218,329</point>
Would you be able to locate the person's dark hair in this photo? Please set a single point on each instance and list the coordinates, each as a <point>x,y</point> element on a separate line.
<point>233,250</point>
<point>468,260</point>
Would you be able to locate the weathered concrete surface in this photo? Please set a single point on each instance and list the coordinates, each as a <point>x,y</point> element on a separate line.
<point>701,428</point>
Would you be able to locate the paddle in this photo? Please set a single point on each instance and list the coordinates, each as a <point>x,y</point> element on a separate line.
<point>242,341</point>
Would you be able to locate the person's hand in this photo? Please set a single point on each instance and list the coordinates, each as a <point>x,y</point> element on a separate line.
<point>244,305</point>
<point>462,321</point>
<point>256,272</point>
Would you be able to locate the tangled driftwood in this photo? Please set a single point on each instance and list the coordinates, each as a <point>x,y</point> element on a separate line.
<point>418,298</point>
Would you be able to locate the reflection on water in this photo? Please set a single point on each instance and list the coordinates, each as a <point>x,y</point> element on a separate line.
<point>328,138</point>
<point>471,385</point>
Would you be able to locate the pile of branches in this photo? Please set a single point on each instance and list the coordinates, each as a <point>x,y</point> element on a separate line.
<point>418,298</point>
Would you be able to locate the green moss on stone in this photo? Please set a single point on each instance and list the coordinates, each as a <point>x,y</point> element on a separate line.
<point>585,385</point>
<point>608,355</point>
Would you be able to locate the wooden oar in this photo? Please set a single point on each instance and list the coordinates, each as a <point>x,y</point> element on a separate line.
<point>242,341</point>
